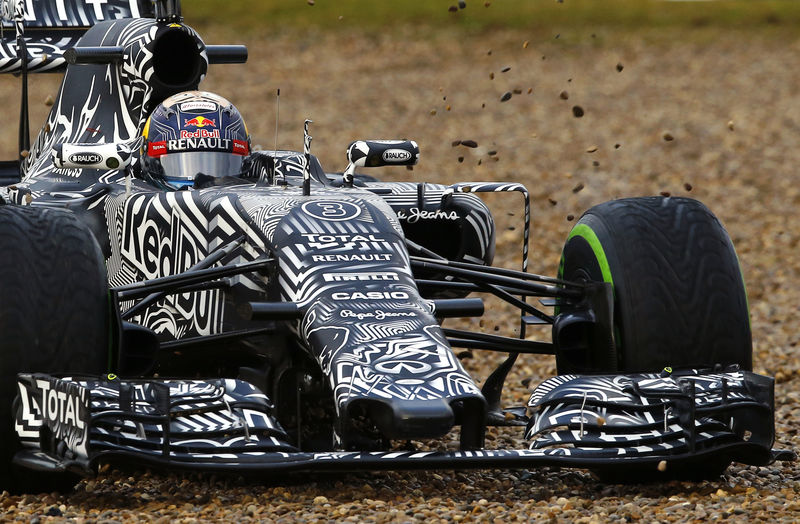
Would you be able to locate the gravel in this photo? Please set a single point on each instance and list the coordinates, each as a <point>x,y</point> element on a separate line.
<point>690,85</point>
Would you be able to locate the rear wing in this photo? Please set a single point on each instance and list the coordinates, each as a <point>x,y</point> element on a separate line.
<point>36,33</point>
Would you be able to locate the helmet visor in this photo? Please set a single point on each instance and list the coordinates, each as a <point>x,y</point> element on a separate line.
<point>186,165</point>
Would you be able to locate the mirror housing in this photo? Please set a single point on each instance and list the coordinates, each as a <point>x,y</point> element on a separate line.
<point>92,156</point>
<point>377,153</point>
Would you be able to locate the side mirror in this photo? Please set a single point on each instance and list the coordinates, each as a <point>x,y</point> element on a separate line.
<point>92,156</point>
<point>376,153</point>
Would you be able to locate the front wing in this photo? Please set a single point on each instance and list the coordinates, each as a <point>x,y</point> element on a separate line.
<point>226,425</point>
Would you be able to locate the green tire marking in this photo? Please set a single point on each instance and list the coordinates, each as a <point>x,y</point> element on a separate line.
<point>588,234</point>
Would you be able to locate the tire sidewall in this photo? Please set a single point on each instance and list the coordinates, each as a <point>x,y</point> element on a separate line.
<point>54,311</point>
<point>594,251</point>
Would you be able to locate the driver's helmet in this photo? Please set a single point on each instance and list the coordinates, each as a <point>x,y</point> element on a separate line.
<point>193,133</point>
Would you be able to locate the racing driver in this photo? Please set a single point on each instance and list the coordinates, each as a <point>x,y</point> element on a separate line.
<point>194,139</point>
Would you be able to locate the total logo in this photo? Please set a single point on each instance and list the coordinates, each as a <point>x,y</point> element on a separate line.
<point>200,121</point>
<point>370,295</point>
<point>331,211</point>
<point>62,407</point>
<point>317,241</point>
<point>156,149</point>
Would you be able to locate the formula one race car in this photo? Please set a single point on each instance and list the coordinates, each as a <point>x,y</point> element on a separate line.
<point>300,311</point>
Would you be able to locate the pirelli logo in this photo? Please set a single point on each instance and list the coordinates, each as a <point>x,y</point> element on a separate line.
<point>352,277</point>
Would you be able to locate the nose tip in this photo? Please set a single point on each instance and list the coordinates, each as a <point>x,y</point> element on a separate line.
<point>411,419</point>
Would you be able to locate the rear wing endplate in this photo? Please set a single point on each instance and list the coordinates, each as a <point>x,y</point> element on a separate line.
<point>36,33</point>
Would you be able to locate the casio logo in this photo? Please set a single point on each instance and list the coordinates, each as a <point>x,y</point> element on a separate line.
<point>85,158</point>
<point>370,295</point>
<point>396,155</point>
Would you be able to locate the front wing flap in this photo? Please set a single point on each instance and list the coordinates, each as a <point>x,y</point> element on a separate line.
<point>226,425</point>
<point>655,415</point>
<point>68,423</point>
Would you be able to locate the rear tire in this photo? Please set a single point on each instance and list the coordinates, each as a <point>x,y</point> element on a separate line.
<point>679,296</point>
<point>53,316</point>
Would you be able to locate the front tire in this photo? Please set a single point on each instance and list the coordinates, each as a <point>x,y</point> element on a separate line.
<point>53,316</point>
<point>679,296</point>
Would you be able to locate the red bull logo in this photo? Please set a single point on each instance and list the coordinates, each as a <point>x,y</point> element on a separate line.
<point>200,133</point>
<point>200,121</point>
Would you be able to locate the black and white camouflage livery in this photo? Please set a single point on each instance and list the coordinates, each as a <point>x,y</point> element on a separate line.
<point>633,414</point>
<point>35,20</point>
<point>227,425</point>
<point>323,307</point>
<point>339,241</point>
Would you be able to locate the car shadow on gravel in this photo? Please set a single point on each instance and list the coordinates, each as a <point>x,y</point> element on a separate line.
<point>131,488</point>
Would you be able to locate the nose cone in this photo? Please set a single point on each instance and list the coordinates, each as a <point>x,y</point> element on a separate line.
<point>409,419</point>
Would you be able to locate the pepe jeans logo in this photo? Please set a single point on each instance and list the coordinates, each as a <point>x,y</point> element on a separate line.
<point>413,215</point>
<point>378,314</point>
<point>85,159</point>
<point>331,211</point>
